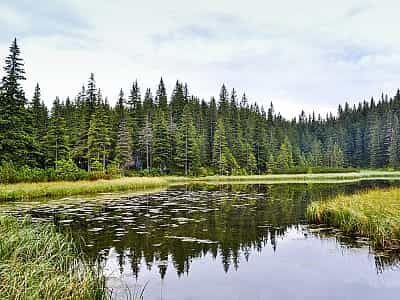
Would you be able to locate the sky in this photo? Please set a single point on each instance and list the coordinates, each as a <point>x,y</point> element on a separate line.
<point>311,55</point>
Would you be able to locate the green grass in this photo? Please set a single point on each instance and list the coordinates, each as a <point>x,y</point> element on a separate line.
<point>374,214</point>
<point>26,191</point>
<point>58,189</point>
<point>304,177</point>
<point>37,262</point>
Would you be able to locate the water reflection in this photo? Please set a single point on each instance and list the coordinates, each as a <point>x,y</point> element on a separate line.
<point>135,236</point>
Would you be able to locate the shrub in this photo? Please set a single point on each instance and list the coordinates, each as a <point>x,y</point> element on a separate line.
<point>8,172</point>
<point>68,170</point>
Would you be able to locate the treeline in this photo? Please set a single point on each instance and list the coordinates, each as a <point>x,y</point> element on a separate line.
<point>183,134</point>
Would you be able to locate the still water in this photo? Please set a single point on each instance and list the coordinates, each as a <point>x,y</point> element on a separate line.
<point>223,242</point>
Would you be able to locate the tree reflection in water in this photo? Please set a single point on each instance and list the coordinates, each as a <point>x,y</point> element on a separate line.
<point>184,223</point>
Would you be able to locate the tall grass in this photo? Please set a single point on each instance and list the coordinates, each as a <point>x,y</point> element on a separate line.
<point>36,262</point>
<point>374,214</point>
<point>366,174</point>
<point>26,191</point>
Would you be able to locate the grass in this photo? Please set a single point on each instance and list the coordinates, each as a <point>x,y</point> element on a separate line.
<point>58,189</point>
<point>374,214</point>
<point>26,191</point>
<point>304,177</point>
<point>37,262</point>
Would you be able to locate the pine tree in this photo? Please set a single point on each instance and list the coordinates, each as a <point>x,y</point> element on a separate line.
<point>187,156</point>
<point>223,160</point>
<point>123,148</point>
<point>91,96</point>
<point>177,103</point>
<point>136,115</point>
<point>57,138</point>
<point>387,136</point>
<point>161,146</point>
<point>99,138</point>
<point>146,138</point>
<point>124,143</point>
<point>39,114</point>
<point>316,155</point>
<point>374,144</point>
<point>148,105</point>
<point>17,143</point>
<point>161,97</point>
<point>285,157</point>
<point>251,161</point>
<point>394,149</point>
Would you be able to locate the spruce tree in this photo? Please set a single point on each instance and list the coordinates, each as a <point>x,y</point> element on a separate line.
<point>161,146</point>
<point>57,137</point>
<point>17,142</point>
<point>187,156</point>
<point>285,158</point>
<point>394,149</point>
<point>161,97</point>
<point>223,160</point>
<point>99,138</point>
<point>124,143</point>
<point>146,138</point>
<point>39,114</point>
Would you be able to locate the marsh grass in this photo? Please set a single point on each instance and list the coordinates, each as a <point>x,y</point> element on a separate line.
<point>374,214</point>
<point>37,262</point>
<point>365,174</point>
<point>26,191</point>
<point>58,189</point>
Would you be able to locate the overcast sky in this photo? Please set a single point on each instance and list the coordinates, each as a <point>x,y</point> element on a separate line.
<point>310,55</point>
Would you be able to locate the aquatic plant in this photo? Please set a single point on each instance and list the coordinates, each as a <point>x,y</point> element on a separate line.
<point>37,262</point>
<point>374,214</point>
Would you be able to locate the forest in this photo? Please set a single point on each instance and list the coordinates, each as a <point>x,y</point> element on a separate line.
<point>160,132</point>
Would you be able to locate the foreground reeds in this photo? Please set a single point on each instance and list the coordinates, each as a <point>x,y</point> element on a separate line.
<point>374,214</point>
<point>37,262</point>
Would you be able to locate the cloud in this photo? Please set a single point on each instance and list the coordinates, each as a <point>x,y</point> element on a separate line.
<point>358,9</point>
<point>42,18</point>
<point>298,54</point>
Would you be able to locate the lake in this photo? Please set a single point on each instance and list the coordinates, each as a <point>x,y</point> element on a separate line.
<point>223,242</point>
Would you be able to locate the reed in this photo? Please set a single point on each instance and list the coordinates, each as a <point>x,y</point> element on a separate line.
<point>27,191</point>
<point>365,174</point>
<point>37,262</point>
<point>374,214</point>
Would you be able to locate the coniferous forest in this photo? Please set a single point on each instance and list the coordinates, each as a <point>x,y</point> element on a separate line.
<point>176,132</point>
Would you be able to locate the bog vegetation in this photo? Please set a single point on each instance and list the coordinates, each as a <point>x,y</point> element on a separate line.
<point>85,137</point>
<point>27,191</point>
<point>37,262</point>
<point>374,214</point>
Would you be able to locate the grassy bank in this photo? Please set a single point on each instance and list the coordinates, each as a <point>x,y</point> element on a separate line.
<point>25,191</point>
<point>36,262</point>
<point>304,177</point>
<point>374,214</point>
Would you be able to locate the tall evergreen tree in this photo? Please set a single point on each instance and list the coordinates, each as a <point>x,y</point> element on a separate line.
<point>17,142</point>
<point>187,156</point>
<point>161,97</point>
<point>285,157</point>
<point>39,114</point>
<point>57,137</point>
<point>161,146</point>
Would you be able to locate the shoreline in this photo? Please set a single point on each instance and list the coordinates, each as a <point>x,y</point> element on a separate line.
<point>373,214</point>
<point>58,189</point>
